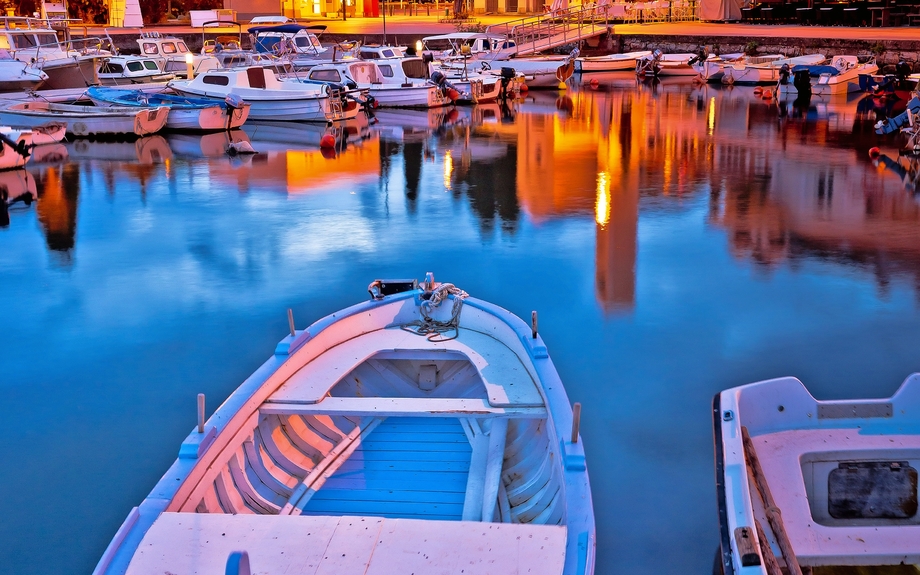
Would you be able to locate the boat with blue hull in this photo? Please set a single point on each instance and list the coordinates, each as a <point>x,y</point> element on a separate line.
<point>185,112</point>
<point>415,432</point>
<point>808,486</point>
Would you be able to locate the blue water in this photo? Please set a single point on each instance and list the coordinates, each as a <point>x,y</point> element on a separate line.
<point>675,241</point>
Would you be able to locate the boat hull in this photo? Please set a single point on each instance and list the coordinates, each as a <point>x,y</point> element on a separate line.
<point>70,73</point>
<point>292,109</point>
<point>498,420</point>
<point>612,63</point>
<point>86,120</point>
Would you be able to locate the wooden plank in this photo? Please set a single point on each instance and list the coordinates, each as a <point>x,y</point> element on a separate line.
<point>350,549</point>
<point>769,558</point>
<point>774,515</point>
<point>402,406</point>
<point>493,473</point>
<point>267,472</point>
<point>424,547</point>
<point>409,466</point>
<point>264,434</point>
<point>447,482</point>
<point>247,490</point>
<point>382,508</point>
<point>430,495</point>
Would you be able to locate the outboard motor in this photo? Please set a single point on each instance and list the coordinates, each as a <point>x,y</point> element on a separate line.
<point>507,75</point>
<point>784,73</point>
<point>902,70</point>
<point>802,82</point>
<point>447,89</point>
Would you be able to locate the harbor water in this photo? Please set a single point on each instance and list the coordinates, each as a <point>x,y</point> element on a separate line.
<point>676,240</point>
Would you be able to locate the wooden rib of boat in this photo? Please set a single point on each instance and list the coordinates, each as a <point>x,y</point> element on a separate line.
<point>85,120</point>
<point>413,433</point>
<point>817,485</point>
<point>185,112</point>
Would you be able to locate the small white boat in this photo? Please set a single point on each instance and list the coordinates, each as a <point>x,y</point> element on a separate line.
<point>122,70</point>
<point>16,75</point>
<point>538,71</point>
<point>841,76</point>
<point>805,484</point>
<point>50,133</point>
<point>767,72</point>
<point>271,98</point>
<point>658,64</point>
<point>14,147</point>
<point>185,112</point>
<point>419,432</point>
<point>389,88</point>
<point>609,63</point>
<point>85,120</point>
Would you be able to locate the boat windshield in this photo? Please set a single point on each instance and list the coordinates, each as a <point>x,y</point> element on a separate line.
<point>182,47</point>
<point>47,39</point>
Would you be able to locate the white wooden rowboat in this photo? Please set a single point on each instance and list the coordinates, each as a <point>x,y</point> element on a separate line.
<point>363,446</point>
<point>610,62</point>
<point>85,120</point>
<point>807,484</point>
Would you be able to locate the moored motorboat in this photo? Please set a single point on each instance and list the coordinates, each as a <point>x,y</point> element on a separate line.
<point>771,72</point>
<point>391,90</point>
<point>841,76</point>
<point>609,63</point>
<point>659,64</point>
<point>807,484</point>
<point>16,75</point>
<point>85,120</point>
<point>422,431</point>
<point>185,112</point>
<point>271,98</point>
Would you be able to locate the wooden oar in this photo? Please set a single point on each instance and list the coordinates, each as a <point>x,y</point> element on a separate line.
<point>774,516</point>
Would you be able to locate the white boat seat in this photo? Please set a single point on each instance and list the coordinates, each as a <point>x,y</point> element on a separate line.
<point>201,543</point>
<point>507,382</point>
<point>781,455</point>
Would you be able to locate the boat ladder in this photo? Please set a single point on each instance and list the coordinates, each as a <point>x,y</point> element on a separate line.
<point>550,30</point>
<point>335,111</point>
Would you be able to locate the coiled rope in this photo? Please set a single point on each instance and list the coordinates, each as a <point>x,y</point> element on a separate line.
<point>432,329</point>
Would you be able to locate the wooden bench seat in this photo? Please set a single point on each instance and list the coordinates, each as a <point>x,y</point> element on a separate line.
<point>323,545</point>
<point>507,381</point>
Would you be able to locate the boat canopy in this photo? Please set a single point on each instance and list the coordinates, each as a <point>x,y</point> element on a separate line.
<point>816,70</point>
<point>282,29</point>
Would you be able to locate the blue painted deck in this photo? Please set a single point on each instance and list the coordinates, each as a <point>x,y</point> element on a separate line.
<point>406,468</point>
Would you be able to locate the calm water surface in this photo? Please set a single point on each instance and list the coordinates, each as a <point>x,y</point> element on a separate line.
<point>675,241</point>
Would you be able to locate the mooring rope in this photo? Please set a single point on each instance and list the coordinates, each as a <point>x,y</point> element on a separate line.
<point>433,329</point>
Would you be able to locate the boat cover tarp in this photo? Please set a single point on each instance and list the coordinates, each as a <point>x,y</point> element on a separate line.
<point>816,70</point>
<point>281,29</point>
<point>894,124</point>
<point>720,10</point>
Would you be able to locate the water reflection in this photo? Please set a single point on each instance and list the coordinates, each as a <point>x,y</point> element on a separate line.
<point>630,214</point>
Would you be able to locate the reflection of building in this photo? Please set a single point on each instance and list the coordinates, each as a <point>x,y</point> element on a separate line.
<point>59,189</point>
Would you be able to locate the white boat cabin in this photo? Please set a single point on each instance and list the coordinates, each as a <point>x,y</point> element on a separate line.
<point>402,72</point>
<point>29,39</point>
<point>131,70</point>
<point>465,44</point>
<point>380,52</point>
<point>170,54</point>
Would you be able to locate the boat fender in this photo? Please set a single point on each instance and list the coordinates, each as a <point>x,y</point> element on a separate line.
<point>758,91</point>
<point>874,153</point>
<point>327,141</point>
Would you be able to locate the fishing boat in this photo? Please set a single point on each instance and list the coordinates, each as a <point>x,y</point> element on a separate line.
<point>34,41</point>
<point>16,75</point>
<point>172,55</point>
<point>389,88</point>
<point>817,486</point>
<point>658,64</point>
<point>422,431</point>
<point>841,76</point>
<point>50,133</point>
<point>122,70</point>
<point>14,147</point>
<point>770,72</point>
<point>185,112</point>
<point>271,98</point>
<point>609,63</point>
<point>85,120</point>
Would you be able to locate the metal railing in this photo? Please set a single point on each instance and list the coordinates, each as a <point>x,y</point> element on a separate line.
<point>557,28</point>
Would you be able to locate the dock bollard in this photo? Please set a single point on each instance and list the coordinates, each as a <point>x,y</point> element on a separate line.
<point>200,413</point>
<point>291,321</point>
<point>533,323</point>
<point>576,421</point>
